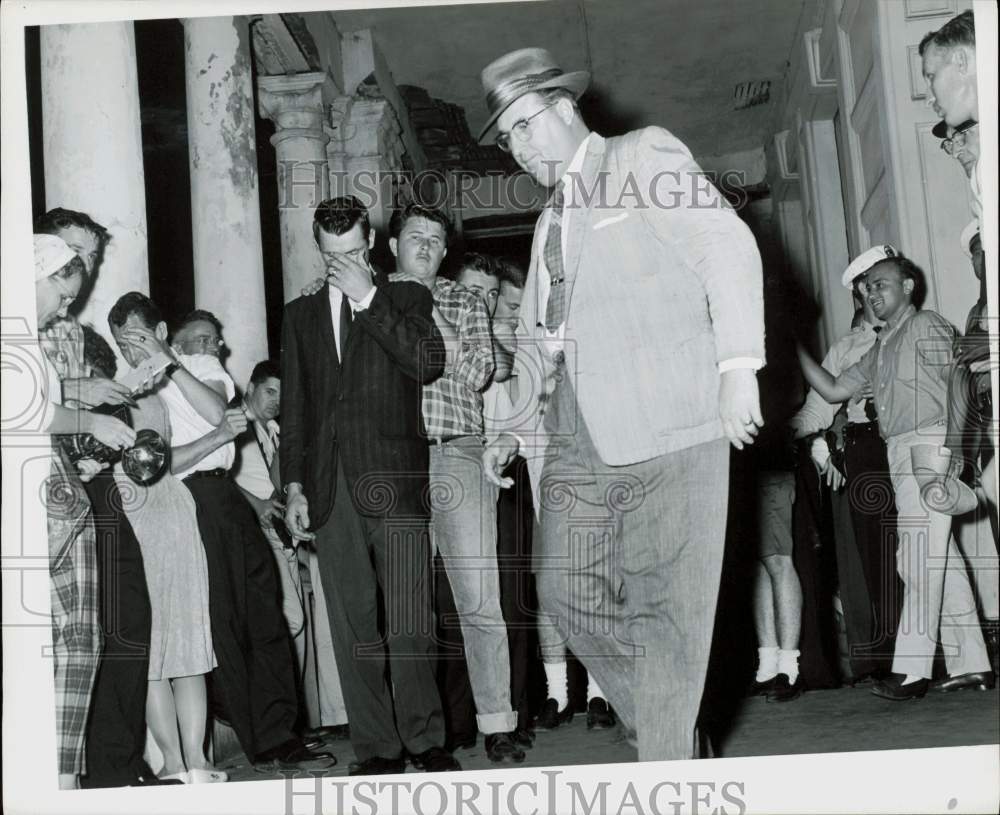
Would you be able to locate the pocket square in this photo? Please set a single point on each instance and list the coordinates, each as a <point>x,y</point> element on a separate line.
<point>612,220</point>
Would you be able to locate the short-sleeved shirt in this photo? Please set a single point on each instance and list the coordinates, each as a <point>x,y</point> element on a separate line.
<point>907,370</point>
<point>186,424</point>
<point>253,471</point>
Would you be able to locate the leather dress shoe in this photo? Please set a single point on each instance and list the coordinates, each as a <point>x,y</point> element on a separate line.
<point>378,765</point>
<point>762,688</point>
<point>980,680</point>
<point>600,715</point>
<point>435,760</point>
<point>524,737</point>
<point>551,716</point>
<point>890,688</point>
<point>461,742</point>
<point>784,690</point>
<point>502,749</point>
<point>294,754</point>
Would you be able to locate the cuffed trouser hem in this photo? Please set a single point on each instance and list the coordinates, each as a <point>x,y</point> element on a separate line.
<point>496,722</point>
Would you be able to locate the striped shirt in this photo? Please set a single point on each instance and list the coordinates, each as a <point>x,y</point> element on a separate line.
<point>453,403</point>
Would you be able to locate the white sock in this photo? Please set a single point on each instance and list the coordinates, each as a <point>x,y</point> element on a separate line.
<point>910,678</point>
<point>788,663</point>
<point>593,689</point>
<point>767,663</point>
<point>555,678</point>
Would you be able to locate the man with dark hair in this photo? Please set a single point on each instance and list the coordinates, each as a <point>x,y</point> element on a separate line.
<point>907,372</point>
<point>354,469</point>
<point>116,727</point>
<point>199,332</point>
<point>464,527</point>
<point>253,686</point>
<point>647,321</point>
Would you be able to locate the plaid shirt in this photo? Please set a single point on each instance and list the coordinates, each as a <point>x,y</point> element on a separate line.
<point>453,403</point>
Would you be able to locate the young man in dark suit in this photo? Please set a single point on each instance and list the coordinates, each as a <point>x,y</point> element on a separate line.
<point>354,463</point>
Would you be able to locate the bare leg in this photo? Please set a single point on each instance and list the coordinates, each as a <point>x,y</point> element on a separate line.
<point>763,609</point>
<point>161,716</point>
<point>191,700</point>
<point>787,594</point>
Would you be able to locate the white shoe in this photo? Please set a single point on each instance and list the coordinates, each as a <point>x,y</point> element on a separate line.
<point>182,777</point>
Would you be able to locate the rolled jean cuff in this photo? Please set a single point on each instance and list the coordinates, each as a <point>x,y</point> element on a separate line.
<point>497,722</point>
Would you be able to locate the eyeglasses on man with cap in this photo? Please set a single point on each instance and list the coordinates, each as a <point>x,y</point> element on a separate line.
<point>956,141</point>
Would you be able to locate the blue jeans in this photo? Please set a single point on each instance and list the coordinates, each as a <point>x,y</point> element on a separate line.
<point>464,531</point>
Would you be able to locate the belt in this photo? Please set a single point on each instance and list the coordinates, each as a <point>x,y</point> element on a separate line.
<point>861,429</point>
<point>218,472</point>
<point>447,439</point>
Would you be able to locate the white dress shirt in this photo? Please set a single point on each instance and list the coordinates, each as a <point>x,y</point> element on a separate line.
<point>336,296</point>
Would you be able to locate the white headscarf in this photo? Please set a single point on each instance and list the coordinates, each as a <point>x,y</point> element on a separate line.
<point>51,254</point>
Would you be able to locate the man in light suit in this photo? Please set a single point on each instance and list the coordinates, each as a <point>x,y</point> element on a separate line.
<point>644,316</point>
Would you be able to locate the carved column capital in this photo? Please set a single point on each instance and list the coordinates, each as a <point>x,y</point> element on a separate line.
<point>295,104</point>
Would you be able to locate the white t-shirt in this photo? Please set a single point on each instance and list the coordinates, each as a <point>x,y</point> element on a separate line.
<point>252,472</point>
<point>186,424</point>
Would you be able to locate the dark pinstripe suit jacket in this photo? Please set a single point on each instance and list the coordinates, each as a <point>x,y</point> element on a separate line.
<point>367,410</point>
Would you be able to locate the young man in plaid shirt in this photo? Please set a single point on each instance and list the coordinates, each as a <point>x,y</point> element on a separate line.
<point>463,502</point>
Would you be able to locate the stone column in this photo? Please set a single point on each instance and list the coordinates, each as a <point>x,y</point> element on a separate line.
<point>92,147</point>
<point>225,207</point>
<point>295,104</point>
<point>365,154</point>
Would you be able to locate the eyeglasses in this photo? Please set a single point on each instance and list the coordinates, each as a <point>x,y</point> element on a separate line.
<point>521,128</point>
<point>205,342</point>
<point>957,140</point>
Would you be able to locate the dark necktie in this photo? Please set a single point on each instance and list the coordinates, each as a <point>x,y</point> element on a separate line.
<point>556,307</point>
<point>346,317</point>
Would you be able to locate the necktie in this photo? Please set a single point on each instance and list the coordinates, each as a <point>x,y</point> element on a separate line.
<point>345,324</point>
<point>556,306</point>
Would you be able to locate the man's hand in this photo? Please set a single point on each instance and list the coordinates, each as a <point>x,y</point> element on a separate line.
<point>313,287</point>
<point>88,468</point>
<point>111,431</point>
<point>297,517</point>
<point>352,278</point>
<point>739,406</point>
<point>819,452</point>
<point>267,509</point>
<point>234,422</point>
<point>145,342</point>
<point>405,277</point>
<point>96,390</point>
<point>497,456</point>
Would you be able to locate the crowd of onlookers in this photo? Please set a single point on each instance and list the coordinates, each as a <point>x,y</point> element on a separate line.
<point>900,429</point>
<point>329,525</point>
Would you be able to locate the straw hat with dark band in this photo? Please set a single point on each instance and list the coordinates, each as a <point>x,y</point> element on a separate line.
<point>529,69</point>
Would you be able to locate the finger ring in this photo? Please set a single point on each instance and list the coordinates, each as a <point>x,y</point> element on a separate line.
<point>142,339</point>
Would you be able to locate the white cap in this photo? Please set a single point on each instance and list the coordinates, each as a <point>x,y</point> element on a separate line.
<point>863,262</point>
<point>51,254</point>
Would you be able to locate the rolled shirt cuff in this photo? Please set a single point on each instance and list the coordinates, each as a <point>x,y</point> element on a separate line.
<point>740,362</point>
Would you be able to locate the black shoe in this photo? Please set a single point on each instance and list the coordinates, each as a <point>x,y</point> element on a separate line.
<point>991,636</point>
<point>783,690</point>
<point>890,688</point>
<point>600,715</point>
<point>551,716</point>
<point>153,781</point>
<point>294,755</point>
<point>461,742</point>
<point>435,760</point>
<point>980,680</point>
<point>762,688</point>
<point>524,737</point>
<point>502,749</point>
<point>378,765</point>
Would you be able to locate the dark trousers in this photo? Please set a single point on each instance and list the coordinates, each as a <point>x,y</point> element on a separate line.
<point>376,575</point>
<point>873,512</point>
<point>116,729</point>
<point>253,687</point>
<point>515,519</point>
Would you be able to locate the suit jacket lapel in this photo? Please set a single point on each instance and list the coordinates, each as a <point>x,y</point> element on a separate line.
<point>593,160</point>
